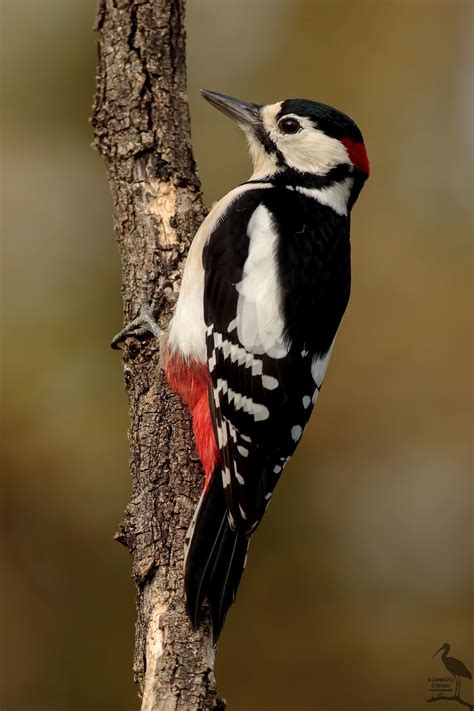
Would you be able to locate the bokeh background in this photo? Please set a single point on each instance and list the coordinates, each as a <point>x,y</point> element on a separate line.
<point>362,568</point>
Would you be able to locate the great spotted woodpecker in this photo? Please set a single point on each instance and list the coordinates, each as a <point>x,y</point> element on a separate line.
<point>266,283</point>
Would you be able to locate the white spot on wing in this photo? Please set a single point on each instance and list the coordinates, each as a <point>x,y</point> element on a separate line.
<point>221,436</point>
<point>242,513</point>
<point>261,413</point>
<point>296,432</point>
<point>238,354</point>
<point>240,478</point>
<point>277,469</point>
<point>269,382</point>
<point>243,451</point>
<point>319,367</point>
<point>241,402</point>
<point>211,363</point>
<point>232,430</point>
<point>226,348</point>
<point>225,477</point>
<point>306,401</point>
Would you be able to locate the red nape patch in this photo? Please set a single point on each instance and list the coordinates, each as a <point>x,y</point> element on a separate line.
<point>190,380</point>
<point>357,154</point>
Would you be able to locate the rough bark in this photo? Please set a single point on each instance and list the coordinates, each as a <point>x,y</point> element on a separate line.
<point>142,130</point>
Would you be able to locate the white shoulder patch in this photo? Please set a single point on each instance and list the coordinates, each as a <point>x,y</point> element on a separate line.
<point>259,309</point>
<point>187,331</point>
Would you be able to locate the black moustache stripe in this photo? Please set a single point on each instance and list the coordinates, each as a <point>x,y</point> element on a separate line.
<point>291,177</point>
<point>269,145</point>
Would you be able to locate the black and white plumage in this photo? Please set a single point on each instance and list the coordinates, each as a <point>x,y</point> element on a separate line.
<point>265,287</point>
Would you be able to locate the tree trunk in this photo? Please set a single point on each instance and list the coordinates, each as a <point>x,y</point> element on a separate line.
<point>142,129</point>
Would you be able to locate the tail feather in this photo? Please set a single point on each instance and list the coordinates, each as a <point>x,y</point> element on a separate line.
<point>226,573</point>
<point>215,558</point>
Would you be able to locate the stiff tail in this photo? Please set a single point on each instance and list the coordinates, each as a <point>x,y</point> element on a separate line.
<point>215,558</point>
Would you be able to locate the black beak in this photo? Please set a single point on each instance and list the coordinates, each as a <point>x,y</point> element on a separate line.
<point>439,650</point>
<point>245,114</point>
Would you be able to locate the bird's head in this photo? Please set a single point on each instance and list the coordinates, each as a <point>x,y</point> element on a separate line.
<point>299,140</point>
<point>445,646</point>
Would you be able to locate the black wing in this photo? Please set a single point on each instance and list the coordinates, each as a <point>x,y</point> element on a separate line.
<point>262,393</point>
<point>265,380</point>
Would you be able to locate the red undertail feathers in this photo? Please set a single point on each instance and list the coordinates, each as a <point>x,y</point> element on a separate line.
<point>190,380</point>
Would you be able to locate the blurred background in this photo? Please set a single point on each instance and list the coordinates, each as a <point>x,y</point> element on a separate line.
<point>362,568</point>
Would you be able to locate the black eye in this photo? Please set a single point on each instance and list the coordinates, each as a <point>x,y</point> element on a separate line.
<point>289,125</point>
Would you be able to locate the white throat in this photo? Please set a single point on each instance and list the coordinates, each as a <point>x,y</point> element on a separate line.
<point>264,164</point>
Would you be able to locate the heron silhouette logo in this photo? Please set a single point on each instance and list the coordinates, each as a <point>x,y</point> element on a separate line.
<point>440,687</point>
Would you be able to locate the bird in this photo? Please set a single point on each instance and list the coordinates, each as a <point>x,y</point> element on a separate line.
<point>454,667</point>
<point>265,285</point>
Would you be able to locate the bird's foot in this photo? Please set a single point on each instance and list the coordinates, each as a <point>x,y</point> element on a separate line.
<point>145,323</point>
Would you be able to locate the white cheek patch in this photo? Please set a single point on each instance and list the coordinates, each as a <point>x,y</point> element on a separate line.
<point>309,150</point>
